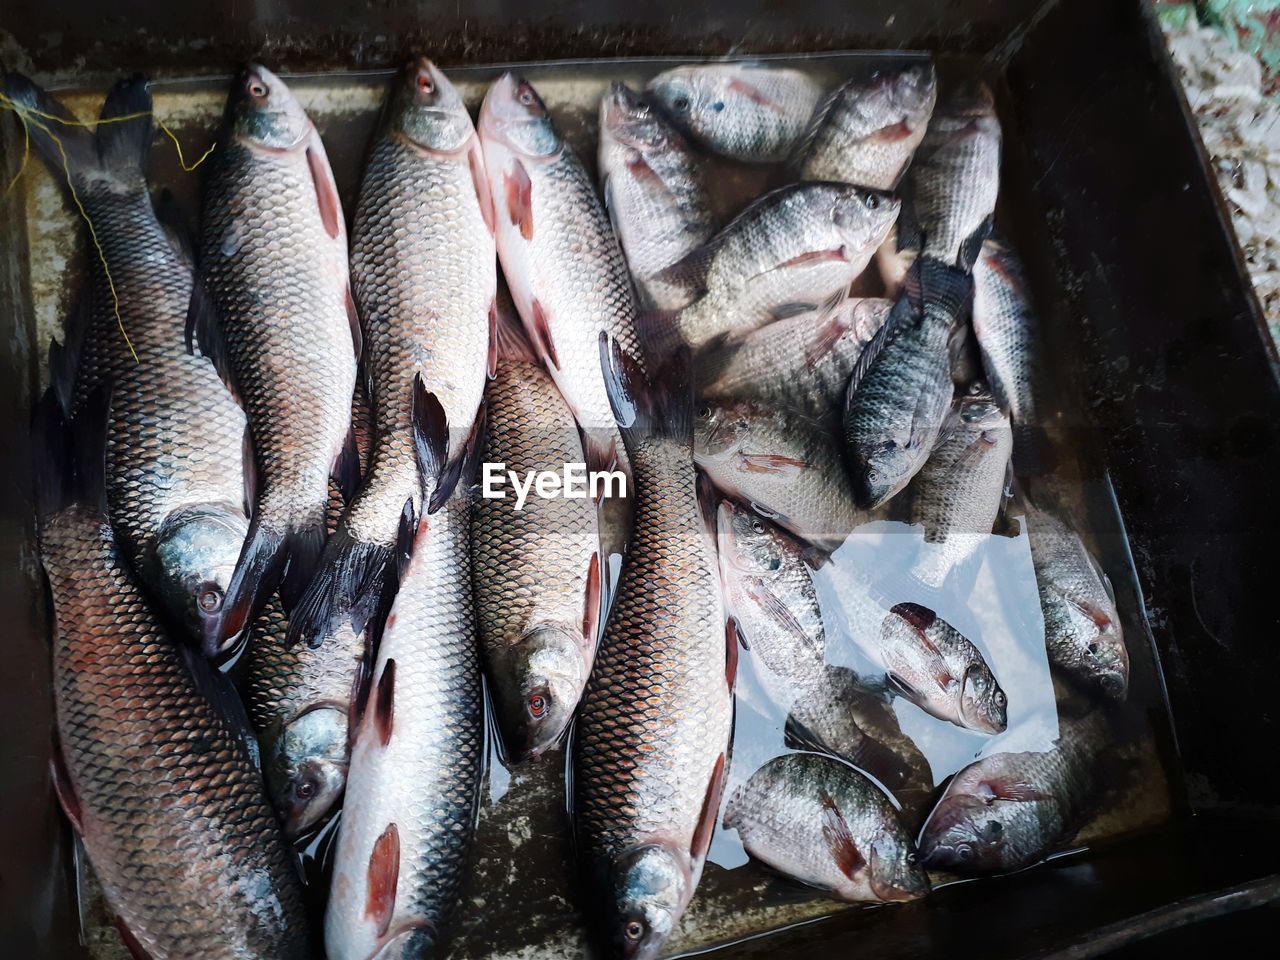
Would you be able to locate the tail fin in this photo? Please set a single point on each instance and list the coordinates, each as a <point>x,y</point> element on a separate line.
<point>661,407</point>
<point>353,581</point>
<point>70,454</point>
<point>513,343</point>
<point>117,150</point>
<point>439,467</point>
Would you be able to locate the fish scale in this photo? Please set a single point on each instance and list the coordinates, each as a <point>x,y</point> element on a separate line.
<point>173,813</point>
<point>1005,325</point>
<point>417,764</point>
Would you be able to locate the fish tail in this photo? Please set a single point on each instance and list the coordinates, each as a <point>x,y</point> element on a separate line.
<point>354,581</point>
<point>441,468</point>
<point>124,132</point>
<point>61,140</point>
<point>661,406</point>
<point>70,454</point>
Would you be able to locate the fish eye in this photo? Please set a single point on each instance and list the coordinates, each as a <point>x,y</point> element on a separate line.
<point>912,859</point>
<point>704,412</point>
<point>1000,698</point>
<point>1093,649</point>
<point>425,83</point>
<point>305,790</point>
<point>964,853</point>
<point>718,106</point>
<point>526,96</point>
<point>757,526</point>
<point>209,600</point>
<point>871,201</point>
<point>634,930</point>
<point>537,706</point>
<point>257,89</point>
<point>680,103</point>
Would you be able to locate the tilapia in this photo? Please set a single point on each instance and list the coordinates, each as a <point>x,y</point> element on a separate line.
<point>867,129</point>
<point>175,443</point>
<point>652,734</point>
<point>846,717</point>
<point>1005,327</point>
<point>820,822</point>
<point>536,570</point>
<point>1008,811</point>
<point>746,111</point>
<point>790,251</point>
<point>802,363</point>
<point>786,464</point>
<point>1081,623</point>
<point>951,190</point>
<point>425,275</point>
<point>156,781</point>
<point>274,258</point>
<point>654,189</point>
<point>900,391</point>
<point>417,748</point>
<point>957,495</point>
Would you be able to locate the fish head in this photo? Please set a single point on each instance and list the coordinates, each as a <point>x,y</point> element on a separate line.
<point>305,766</point>
<point>969,113</point>
<point>427,110</point>
<point>515,115</point>
<point>895,873</point>
<point>631,120</point>
<point>863,216</point>
<point>1097,650</point>
<point>719,428</point>
<point>913,91</point>
<point>967,834</point>
<point>694,97</point>
<point>747,541</point>
<point>651,886</point>
<point>262,111</point>
<point>983,705</point>
<point>882,471</point>
<point>194,555</point>
<point>547,672</point>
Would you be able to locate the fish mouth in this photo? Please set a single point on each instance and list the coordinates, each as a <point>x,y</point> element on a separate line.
<point>1114,684</point>
<point>621,104</point>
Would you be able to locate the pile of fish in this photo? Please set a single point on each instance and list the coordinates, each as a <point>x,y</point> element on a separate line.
<point>285,482</point>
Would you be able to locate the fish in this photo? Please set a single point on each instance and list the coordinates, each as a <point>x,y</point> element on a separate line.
<point>1008,811</point>
<point>802,363</point>
<point>655,191</point>
<point>847,717</point>
<point>536,570</point>
<point>900,391</point>
<point>1082,630</point>
<point>417,748</point>
<point>792,250</point>
<point>953,182</point>
<point>567,274</point>
<point>893,264</point>
<point>787,465</point>
<point>820,822</point>
<point>424,270</point>
<point>651,741</point>
<point>1006,330</point>
<point>176,479</point>
<point>152,767</point>
<point>957,495</point>
<point>744,111</point>
<point>273,257</point>
<point>867,129</point>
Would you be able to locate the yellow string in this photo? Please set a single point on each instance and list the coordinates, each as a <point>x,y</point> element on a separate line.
<point>29,115</point>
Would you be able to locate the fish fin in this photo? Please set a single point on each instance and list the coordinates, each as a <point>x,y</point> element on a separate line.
<point>512,343</point>
<point>592,607</point>
<point>405,536</point>
<point>805,259</point>
<point>384,702</point>
<point>773,465</point>
<point>131,943</point>
<point>305,543</point>
<point>361,687</point>
<point>64,790</point>
<point>731,635</point>
<point>796,735</point>
<point>901,316</point>
<point>265,558</point>
<point>662,407</point>
<point>896,682</point>
<point>518,190</point>
<point>710,812</point>
<point>491,351</point>
<point>894,133</point>
<point>431,446</point>
<point>708,504</point>
<point>540,330</point>
<point>326,190</point>
<point>346,466</point>
<point>834,326</point>
<point>203,332</point>
<point>972,245</point>
<point>778,611</point>
<point>689,273</point>
<point>353,321</point>
<point>70,454</point>
<point>250,467</point>
<point>221,694</point>
<point>1099,617</point>
<point>56,134</point>
<point>64,362</point>
<point>753,94</point>
<point>1001,789</point>
<point>600,453</point>
<point>480,180</point>
<point>123,144</point>
<point>658,333</point>
<point>817,121</point>
<point>382,879</point>
<point>839,838</point>
<point>352,582</point>
<point>920,617</point>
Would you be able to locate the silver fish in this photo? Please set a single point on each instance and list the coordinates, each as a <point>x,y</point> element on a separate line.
<point>867,129</point>
<point>654,190</point>
<point>790,251</point>
<point>822,823</point>
<point>746,111</point>
<point>802,363</point>
<point>1081,623</point>
<point>274,256</point>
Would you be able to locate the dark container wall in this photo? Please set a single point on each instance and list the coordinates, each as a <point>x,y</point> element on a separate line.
<point>1126,236</point>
